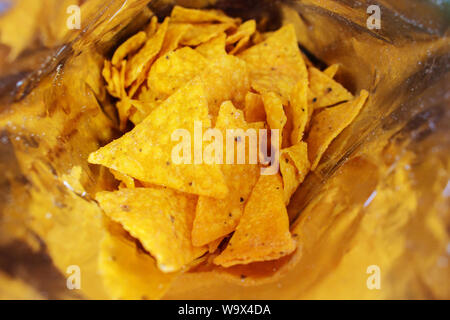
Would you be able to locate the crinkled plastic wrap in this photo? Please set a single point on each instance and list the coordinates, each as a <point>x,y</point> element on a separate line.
<point>379,201</point>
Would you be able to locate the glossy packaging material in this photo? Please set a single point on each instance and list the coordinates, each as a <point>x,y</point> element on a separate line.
<point>378,204</point>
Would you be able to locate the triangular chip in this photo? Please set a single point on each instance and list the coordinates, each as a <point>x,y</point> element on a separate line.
<point>216,218</point>
<point>299,110</point>
<point>161,219</point>
<point>213,48</point>
<point>200,33</point>
<point>294,166</point>
<point>175,32</point>
<point>129,273</point>
<point>145,153</point>
<point>263,232</point>
<point>324,91</point>
<point>254,108</point>
<point>245,30</point>
<point>151,28</point>
<point>180,14</point>
<point>226,78</point>
<point>276,118</point>
<point>241,45</point>
<point>173,70</point>
<point>128,47</point>
<point>331,70</point>
<point>125,181</point>
<point>212,246</point>
<point>276,63</point>
<point>139,62</point>
<point>329,123</point>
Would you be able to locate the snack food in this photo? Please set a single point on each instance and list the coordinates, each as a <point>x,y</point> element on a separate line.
<point>202,70</point>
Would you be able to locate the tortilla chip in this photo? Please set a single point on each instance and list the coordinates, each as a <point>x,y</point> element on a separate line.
<point>201,33</point>
<point>175,32</point>
<point>329,123</point>
<point>125,180</point>
<point>299,110</point>
<point>151,28</point>
<point>240,45</point>
<point>129,47</point>
<point>274,110</point>
<point>226,78</point>
<point>216,218</point>
<point>112,77</point>
<point>173,70</point>
<point>294,166</point>
<point>139,62</point>
<point>245,30</point>
<point>145,153</point>
<point>254,108</point>
<point>213,48</point>
<point>276,63</point>
<point>160,218</point>
<point>146,102</point>
<point>331,70</point>
<point>212,246</point>
<point>263,232</point>
<point>276,118</point>
<point>325,91</point>
<point>129,273</point>
<point>187,15</point>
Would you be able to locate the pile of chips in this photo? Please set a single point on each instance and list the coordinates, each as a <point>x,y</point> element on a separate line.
<point>204,66</point>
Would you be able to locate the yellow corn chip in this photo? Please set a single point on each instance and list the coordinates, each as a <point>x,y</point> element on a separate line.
<point>245,30</point>
<point>160,218</point>
<point>175,32</point>
<point>276,63</point>
<point>128,47</point>
<point>213,48</point>
<point>226,78</point>
<point>257,37</point>
<point>263,232</point>
<point>128,272</point>
<point>147,102</point>
<point>200,33</point>
<point>299,110</point>
<point>180,14</point>
<point>273,107</point>
<point>140,61</point>
<point>294,166</point>
<point>331,70</point>
<point>125,181</point>
<point>152,26</point>
<point>254,108</point>
<point>324,90</point>
<point>112,77</point>
<point>276,118</point>
<point>173,70</point>
<point>212,246</point>
<point>216,218</point>
<point>145,153</point>
<point>137,84</point>
<point>329,123</point>
<point>123,108</point>
<point>240,45</point>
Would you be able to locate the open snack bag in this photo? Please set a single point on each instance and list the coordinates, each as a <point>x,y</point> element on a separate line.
<point>224,149</point>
